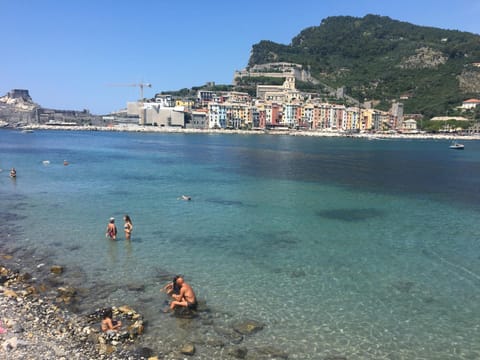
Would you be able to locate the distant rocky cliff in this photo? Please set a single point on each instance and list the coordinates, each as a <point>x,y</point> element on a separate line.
<point>18,109</point>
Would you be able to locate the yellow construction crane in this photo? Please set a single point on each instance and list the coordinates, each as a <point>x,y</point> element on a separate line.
<point>140,85</point>
<point>141,110</point>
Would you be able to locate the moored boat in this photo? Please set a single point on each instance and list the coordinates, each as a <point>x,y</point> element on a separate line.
<point>457,146</point>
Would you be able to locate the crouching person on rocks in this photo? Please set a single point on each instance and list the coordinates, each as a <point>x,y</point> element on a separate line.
<point>185,298</point>
<point>109,325</point>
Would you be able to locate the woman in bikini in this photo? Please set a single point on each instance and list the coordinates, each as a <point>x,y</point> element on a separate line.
<point>128,227</point>
<point>111,229</point>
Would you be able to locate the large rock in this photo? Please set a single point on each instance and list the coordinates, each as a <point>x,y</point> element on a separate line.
<point>136,329</point>
<point>247,327</point>
<point>125,309</point>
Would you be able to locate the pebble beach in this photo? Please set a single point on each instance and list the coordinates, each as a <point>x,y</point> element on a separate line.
<point>34,326</point>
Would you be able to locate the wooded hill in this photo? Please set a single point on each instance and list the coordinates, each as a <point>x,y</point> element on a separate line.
<point>379,59</point>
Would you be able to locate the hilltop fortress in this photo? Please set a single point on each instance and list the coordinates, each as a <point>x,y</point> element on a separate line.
<point>275,70</point>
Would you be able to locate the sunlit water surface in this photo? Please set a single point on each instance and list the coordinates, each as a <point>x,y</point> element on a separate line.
<point>341,247</point>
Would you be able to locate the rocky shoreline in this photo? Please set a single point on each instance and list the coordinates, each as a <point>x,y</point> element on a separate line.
<point>36,322</point>
<point>33,325</point>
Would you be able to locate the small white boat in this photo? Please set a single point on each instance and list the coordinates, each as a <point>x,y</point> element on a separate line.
<point>457,146</point>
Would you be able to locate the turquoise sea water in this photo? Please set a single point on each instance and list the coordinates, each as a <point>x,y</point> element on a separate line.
<point>341,247</point>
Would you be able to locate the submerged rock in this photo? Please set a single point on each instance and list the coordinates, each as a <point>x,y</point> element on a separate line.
<point>25,277</point>
<point>238,352</point>
<point>247,327</point>
<point>136,287</point>
<point>188,349</point>
<point>67,291</point>
<point>144,352</point>
<point>229,334</point>
<point>272,352</point>
<point>56,269</point>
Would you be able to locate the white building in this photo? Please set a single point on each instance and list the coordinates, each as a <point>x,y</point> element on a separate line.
<point>217,116</point>
<point>156,114</point>
<point>470,104</point>
<point>409,125</point>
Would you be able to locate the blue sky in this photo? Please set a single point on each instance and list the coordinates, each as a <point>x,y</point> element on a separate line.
<point>68,53</point>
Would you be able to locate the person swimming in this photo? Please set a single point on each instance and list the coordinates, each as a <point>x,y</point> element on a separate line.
<point>13,173</point>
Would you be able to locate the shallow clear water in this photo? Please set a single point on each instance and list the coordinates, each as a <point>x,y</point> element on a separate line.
<point>366,249</point>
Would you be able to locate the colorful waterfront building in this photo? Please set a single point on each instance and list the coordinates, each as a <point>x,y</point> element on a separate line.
<point>237,115</point>
<point>291,114</point>
<point>306,116</point>
<point>217,115</point>
<point>350,120</point>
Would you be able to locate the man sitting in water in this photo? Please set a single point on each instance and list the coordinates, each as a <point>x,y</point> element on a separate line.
<point>186,297</point>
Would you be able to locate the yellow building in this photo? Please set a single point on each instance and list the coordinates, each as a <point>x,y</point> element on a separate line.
<point>187,104</point>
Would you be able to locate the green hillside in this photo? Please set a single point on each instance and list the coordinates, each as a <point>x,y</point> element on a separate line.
<point>377,58</point>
